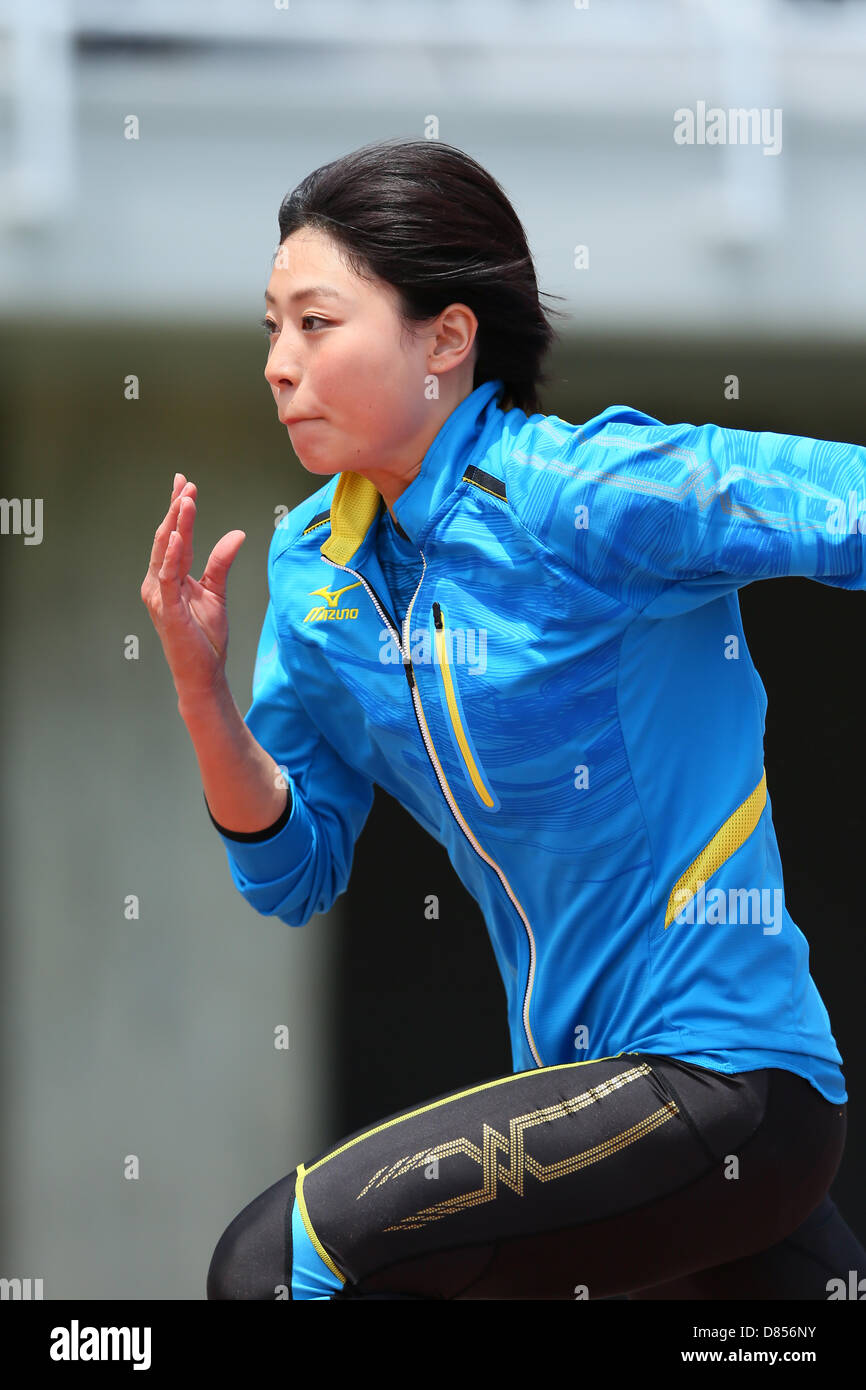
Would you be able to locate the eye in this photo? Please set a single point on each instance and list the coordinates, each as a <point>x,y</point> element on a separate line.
<point>270,327</point>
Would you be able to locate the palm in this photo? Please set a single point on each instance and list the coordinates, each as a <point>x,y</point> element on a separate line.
<point>208,610</point>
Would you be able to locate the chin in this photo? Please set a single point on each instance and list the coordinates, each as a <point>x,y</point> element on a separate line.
<point>314,465</point>
<point>320,471</point>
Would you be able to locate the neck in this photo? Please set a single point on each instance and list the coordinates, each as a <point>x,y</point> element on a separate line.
<point>390,484</point>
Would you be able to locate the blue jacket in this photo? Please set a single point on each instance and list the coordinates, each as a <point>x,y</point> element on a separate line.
<point>548,670</point>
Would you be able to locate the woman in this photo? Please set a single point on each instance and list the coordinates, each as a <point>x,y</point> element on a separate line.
<point>528,633</point>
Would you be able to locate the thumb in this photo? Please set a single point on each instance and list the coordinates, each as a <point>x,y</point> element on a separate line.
<point>220,561</point>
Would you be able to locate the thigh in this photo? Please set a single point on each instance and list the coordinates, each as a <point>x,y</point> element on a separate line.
<point>587,1179</point>
<point>555,1183</point>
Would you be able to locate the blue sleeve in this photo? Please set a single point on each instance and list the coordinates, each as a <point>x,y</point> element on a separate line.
<point>667,517</point>
<point>305,866</point>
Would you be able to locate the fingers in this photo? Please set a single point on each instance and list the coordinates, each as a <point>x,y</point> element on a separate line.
<point>171,555</point>
<point>183,527</point>
<point>161,539</point>
<point>220,561</point>
<point>178,555</point>
<point>169,575</point>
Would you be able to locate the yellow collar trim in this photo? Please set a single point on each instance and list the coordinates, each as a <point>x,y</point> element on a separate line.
<point>353,510</point>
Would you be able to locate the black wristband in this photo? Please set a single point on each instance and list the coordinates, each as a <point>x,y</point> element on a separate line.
<point>250,837</point>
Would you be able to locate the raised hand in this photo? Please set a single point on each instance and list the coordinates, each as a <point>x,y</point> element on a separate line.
<point>189,614</point>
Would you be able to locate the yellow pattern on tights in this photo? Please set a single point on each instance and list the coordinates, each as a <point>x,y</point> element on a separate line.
<point>486,1155</point>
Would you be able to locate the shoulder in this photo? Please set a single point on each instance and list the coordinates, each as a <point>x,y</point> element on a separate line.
<point>550,466</point>
<point>597,495</point>
<point>540,452</point>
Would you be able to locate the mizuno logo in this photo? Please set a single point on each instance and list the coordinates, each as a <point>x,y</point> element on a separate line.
<point>333,595</point>
<point>321,613</point>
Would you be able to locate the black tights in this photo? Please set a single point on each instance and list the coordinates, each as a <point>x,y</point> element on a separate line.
<point>634,1175</point>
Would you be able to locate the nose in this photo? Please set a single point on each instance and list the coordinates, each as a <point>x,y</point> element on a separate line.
<point>281,368</point>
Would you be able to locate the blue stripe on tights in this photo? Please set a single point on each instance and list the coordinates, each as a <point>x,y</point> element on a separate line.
<point>311,1277</point>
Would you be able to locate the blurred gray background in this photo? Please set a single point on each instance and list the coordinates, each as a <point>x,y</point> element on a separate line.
<point>153,1036</point>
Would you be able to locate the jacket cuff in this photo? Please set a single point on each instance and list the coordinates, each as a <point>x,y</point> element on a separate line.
<point>268,856</point>
<point>254,836</point>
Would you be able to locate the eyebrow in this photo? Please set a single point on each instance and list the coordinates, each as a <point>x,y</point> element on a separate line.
<point>322,291</point>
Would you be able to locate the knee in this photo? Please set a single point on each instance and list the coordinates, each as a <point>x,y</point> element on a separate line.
<point>228,1272</point>
<point>250,1260</point>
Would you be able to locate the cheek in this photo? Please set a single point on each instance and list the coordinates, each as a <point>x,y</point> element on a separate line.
<point>348,375</point>
<point>367,393</point>
<point>371,351</point>
<point>368,387</point>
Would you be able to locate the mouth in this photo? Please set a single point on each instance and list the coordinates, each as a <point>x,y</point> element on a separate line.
<point>299,420</point>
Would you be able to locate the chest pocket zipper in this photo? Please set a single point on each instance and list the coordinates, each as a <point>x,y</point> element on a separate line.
<point>477,778</point>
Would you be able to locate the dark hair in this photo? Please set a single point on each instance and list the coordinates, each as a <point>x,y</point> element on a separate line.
<point>429,220</point>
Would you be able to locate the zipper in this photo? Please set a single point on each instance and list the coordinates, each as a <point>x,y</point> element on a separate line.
<point>454,710</point>
<point>403,647</point>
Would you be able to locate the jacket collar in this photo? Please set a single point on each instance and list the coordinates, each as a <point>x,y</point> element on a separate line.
<point>356,500</point>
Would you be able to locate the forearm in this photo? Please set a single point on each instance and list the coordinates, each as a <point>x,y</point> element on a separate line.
<point>241,782</point>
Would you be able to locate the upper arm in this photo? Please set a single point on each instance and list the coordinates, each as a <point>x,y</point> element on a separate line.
<point>666,517</point>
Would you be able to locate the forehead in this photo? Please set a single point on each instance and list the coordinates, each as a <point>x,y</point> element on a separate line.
<point>309,260</point>
<point>308,257</point>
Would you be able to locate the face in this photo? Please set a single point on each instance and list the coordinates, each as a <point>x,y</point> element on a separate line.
<point>343,365</point>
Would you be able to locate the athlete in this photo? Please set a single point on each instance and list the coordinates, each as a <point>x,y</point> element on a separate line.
<point>528,632</point>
